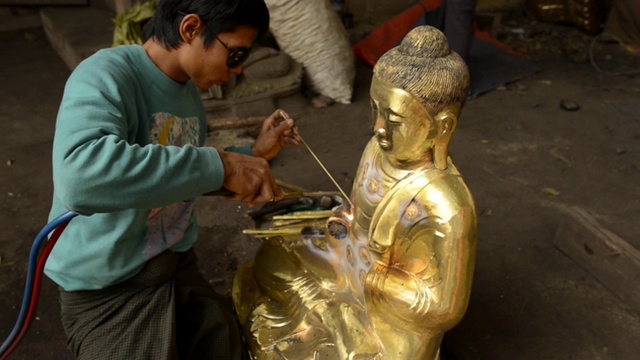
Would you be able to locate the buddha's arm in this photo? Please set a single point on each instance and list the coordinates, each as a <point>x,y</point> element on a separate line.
<point>426,278</point>
<point>409,284</point>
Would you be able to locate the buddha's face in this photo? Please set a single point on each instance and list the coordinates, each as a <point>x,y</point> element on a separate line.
<point>404,128</point>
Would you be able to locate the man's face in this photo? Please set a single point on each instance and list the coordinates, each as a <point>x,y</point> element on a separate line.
<point>404,128</point>
<point>208,66</point>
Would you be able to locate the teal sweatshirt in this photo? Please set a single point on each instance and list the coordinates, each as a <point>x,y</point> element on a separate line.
<point>127,157</point>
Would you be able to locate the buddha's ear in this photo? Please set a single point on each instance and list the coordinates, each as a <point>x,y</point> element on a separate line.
<point>447,120</point>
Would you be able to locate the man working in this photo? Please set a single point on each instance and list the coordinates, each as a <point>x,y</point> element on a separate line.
<point>128,155</point>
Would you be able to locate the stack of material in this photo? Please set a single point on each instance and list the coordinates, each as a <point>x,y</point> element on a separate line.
<point>312,33</point>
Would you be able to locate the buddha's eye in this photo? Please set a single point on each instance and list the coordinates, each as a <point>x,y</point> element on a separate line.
<point>395,118</point>
<point>374,113</point>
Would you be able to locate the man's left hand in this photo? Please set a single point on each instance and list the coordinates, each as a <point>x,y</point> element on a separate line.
<point>277,131</point>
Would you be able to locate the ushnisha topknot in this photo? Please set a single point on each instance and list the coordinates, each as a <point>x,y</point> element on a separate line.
<point>424,66</point>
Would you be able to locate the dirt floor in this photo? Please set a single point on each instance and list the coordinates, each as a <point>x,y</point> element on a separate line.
<point>525,159</point>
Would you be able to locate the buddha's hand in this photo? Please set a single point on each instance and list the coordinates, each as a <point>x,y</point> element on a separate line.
<point>376,279</point>
<point>391,288</point>
<point>277,131</point>
<point>249,179</point>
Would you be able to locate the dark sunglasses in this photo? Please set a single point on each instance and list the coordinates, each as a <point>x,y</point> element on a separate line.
<point>237,56</point>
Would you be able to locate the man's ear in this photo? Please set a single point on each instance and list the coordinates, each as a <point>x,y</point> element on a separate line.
<point>447,120</point>
<point>190,27</point>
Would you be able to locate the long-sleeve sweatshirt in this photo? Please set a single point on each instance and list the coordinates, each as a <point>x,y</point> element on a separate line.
<point>128,157</point>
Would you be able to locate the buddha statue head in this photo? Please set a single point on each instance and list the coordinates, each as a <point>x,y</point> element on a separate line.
<point>417,92</point>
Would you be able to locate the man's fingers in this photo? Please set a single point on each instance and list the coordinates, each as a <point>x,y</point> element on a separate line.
<point>275,188</point>
<point>273,122</point>
<point>269,123</point>
<point>279,194</point>
<point>252,199</point>
<point>292,140</point>
<point>266,194</point>
<point>283,127</point>
<point>249,200</point>
<point>268,191</point>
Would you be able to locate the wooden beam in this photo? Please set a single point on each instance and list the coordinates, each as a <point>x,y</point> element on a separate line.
<point>603,254</point>
<point>234,123</point>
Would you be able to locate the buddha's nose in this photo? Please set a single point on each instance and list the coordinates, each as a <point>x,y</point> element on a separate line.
<point>379,123</point>
<point>381,133</point>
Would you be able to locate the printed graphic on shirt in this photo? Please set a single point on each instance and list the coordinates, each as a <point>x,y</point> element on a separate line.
<point>166,226</point>
<point>168,129</point>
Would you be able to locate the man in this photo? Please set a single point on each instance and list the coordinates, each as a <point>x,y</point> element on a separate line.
<point>128,156</point>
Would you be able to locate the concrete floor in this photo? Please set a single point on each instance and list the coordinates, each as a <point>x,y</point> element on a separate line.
<point>529,300</point>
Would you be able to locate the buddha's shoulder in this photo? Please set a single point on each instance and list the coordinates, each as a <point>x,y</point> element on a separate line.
<point>446,187</point>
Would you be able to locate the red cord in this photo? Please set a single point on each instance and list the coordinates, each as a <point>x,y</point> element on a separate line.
<point>35,295</point>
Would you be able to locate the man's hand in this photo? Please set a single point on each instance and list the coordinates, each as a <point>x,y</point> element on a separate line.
<point>249,179</point>
<point>277,130</point>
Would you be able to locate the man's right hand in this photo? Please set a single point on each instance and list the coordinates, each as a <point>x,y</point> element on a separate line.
<point>249,179</point>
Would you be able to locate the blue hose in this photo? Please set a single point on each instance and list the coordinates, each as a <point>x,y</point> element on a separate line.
<point>31,274</point>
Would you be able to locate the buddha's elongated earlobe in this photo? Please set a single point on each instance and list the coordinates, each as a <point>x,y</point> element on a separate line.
<point>447,120</point>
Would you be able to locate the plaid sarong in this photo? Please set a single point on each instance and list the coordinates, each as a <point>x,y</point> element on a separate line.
<point>167,311</point>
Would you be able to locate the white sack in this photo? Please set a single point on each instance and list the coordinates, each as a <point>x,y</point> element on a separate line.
<point>312,33</point>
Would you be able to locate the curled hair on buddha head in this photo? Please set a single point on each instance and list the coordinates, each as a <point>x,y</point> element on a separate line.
<point>424,66</point>
<point>218,16</point>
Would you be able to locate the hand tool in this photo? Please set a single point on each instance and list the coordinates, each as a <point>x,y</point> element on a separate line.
<point>289,195</point>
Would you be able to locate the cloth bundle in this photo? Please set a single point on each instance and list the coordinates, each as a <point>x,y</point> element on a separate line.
<point>312,33</point>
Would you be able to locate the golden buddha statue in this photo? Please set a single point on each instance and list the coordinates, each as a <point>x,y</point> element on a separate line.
<point>387,278</point>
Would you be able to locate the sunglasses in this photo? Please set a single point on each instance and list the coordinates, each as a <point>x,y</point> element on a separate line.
<point>237,56</point>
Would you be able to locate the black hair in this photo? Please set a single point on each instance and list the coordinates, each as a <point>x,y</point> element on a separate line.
<point>424,66</point>
<point>218,16</point>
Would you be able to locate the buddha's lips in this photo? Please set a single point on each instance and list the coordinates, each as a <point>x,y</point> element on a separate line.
<point>384,144</point>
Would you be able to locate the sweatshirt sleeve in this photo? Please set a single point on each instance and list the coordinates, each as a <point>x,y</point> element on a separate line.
<point>99,167</point>
<point>245,150</point>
